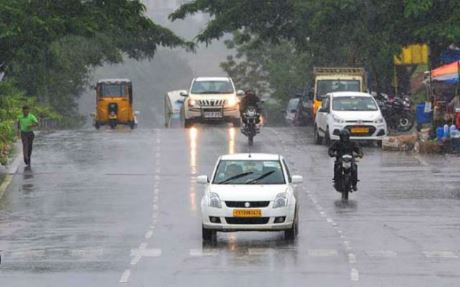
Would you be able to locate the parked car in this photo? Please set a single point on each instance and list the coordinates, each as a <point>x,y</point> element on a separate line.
<point>250,192</point>
<point>355,111</point>
<point>173,102</point>
<point>292,112</point>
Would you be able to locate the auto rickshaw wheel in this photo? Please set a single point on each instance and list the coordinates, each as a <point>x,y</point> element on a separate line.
<point>113,124</point>
<point>132,125</point>
<point>97,125</point>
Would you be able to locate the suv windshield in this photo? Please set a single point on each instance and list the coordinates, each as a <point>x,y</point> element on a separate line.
<point>354,104</point>
<point>212,87</point>
<point>249,172</point>
<point>329,86</point>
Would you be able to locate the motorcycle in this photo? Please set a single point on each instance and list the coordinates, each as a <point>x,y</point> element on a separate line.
<point>397,112</point>
<point>251,120</point>
<point>344,184</point>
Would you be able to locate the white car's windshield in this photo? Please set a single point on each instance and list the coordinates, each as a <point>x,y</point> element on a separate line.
<point>354,104</point>
<point>212,87</point>
<point>249,172</point>
<point>328,86</point>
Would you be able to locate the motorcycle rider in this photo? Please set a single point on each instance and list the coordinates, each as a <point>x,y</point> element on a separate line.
<point>250,99</point>
<point>343,147</point>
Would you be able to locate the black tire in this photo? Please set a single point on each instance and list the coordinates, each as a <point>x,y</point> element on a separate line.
<point>250,140</point>
<point>208,235</point>
<point>236,123</point>
<point>112,124</point>
<point>132,125</point>
<point>187,124</point>
<point>405,123</point>
<point>327,138</point>
<point>345,194</point>
<point>345,187</point>
<point>318,138</point>
<point>291,233</point>
<point>97,125</point>
<point>379,144</point>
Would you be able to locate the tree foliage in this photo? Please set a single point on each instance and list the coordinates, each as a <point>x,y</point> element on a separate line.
<point>337,32</point>
<point>49,46</point>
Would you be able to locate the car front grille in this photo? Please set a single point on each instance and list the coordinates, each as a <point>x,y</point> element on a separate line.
<point>247,220</point>
<point>211,103</point>
<point>243,204</point>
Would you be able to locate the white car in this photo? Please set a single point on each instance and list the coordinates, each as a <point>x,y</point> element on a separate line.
<point>358,112</point>
<point>250,192</point>
<point>173,102</point>
<point>211,99</point>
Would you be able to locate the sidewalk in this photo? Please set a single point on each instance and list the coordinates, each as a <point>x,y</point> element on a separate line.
<point>7,172</point>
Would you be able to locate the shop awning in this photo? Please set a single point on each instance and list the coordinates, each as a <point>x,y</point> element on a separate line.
<point>447,73</point>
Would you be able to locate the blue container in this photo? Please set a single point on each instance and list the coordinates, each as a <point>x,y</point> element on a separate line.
<point>421,116</point>
<point>440,133</point>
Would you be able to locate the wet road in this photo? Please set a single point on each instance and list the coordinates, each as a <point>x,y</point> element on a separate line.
<point>121,208</point>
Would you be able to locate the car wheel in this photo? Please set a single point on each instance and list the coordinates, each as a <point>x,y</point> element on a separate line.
<point>318,138</point>
<point>236,123</point>
<point>379,144</point>
<point>327,138</point>
<point>291,234</point>
<point>187,124</point>
<point>209,235</point>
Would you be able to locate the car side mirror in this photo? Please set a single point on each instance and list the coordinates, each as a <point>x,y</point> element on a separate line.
<point>183,94</point>
<point>240,93</point>
<point>202,179</point>
<point>297,179</point>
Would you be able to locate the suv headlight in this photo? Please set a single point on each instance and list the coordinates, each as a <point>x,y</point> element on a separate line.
<point>232,102</point>
<point>379,121</point>
<point>280,200</point>
<point>338,120</point>
<point>192,103</point>
<point>214,200</point>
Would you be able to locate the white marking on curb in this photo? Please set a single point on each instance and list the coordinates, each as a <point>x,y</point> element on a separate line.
<point>381,253</point>
<point>125,276</point>
<point>354,274</point>
<point>439,254</point>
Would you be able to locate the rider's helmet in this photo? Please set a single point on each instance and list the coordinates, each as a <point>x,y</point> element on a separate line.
<point>249,93</point>
<point>345,135</point>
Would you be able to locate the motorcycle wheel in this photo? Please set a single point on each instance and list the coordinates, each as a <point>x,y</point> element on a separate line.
<point>346,187</point>
<point>345,194</point>
<point>250,140</point>
<point>405,123</point>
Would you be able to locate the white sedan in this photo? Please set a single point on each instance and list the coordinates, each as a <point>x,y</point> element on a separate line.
<point>250,192</point>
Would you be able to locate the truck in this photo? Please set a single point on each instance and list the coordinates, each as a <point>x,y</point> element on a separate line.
<point>336,79</point>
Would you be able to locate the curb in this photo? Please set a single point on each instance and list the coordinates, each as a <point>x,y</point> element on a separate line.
<point>11,169</point>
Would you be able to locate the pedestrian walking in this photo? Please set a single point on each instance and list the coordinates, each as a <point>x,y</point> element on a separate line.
<point>26,123</point>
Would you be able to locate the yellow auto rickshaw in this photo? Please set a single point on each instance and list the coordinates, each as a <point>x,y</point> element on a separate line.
<point>114,104</point>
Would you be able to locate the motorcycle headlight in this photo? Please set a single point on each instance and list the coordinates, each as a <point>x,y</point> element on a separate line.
<point>346,164</point>
<point>214,200</point>
<point>280,200</point>
<point>338,120</point>
<point>232,102</point>
<point>379,121</point>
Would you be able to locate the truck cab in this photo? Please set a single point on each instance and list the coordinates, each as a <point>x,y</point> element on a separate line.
<point>336,79</point>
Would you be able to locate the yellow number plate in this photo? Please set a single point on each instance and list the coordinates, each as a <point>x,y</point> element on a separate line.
<point>247,213</point>
<point>359,130</point>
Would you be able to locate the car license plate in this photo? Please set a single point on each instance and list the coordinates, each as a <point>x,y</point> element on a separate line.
<point>247,213</point>
<point>359,130</point>
<point>212,115</point>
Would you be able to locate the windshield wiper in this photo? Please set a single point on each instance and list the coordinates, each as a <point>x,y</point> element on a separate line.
<point>260,177</point>
<point>235,177</point>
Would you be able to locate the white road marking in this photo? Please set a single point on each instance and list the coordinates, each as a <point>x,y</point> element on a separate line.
<point>439,254</point>
<point>322,252</point>
<point>144,252</point>
<point>125,276</point>
<point>96,252</point>
<point>381,253</point>
<point>203,252</point>
<point>351,258</point>
<point>354,274</point>
<point>155,206</point>
<point>347,245</point>
<point>149,234</point>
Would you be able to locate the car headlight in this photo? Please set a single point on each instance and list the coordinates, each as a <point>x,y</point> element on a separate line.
<point>232,102</point>
<point>192,103</point>
<point>338,120</point>
<point>379,121</point>
<point>214,200</point>
<point>280,200</point>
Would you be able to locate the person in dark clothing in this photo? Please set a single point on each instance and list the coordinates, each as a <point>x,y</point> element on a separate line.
<point>343,147</point>
<point>250,99</point>
<point>26,123</point>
